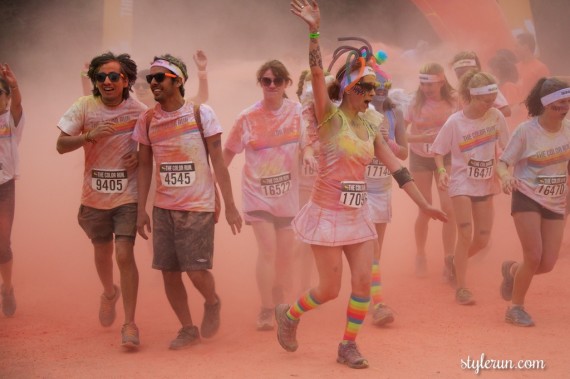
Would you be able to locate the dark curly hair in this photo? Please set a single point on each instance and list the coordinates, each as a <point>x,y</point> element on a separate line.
<point>543,87</point>
<point>128,68</point>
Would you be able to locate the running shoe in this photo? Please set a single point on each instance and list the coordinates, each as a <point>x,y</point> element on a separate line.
<point>107,308</point>
<point>8,302</point>
<point>187,336</point>
<point>265,319</point>
<point>130,336</point>
<point>349,355</point>
<point>464,297</point>
<point>516,315</point>
<point>382,315</point>
<point>286,328</point>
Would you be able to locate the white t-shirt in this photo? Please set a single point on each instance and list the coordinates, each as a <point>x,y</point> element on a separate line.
<point>10,137</point>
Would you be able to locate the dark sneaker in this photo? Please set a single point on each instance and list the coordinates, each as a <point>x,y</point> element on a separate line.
<point>130,336</point>
<point>286,328</point>
<point>382,315</point>
<point>349,355</point>
<point>265,319</point>
<point>211,320</point>
<point>107,308</point>
<point>449,270</point>
<point>187,336</point>
<point>8,302</point>
<point>421,266</point>
<point>508,280</point>
<point>516,315</point>
<point>464,297</point>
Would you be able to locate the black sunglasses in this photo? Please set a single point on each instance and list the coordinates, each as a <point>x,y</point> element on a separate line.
<point>266,82</point>
<point>159,77</point>
<point>367,86</point>
<point>113,76</point>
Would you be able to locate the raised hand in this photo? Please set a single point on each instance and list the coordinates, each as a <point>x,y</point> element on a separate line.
<point>308,11</point>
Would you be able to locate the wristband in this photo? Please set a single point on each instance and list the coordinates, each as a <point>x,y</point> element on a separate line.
<point>402,176</point>
<point>202,75</point>
<point>314,35</point>
<point>441,170</point>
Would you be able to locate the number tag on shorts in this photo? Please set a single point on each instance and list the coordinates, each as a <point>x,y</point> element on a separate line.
<point>276,186</point>
<point>109,181</point>
<point>308,171</point>
<point>551,186</point>
<point>376,170</point>
<point>353,194</point>
<point>177,174</point>
<point>480,170</point>
<point>427,148</point>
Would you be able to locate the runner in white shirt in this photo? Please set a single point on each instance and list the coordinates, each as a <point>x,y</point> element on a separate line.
<point>472,136</point>
<point>539,151</point>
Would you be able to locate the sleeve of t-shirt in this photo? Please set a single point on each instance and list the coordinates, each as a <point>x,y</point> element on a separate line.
<point>235,141</point>
<point>73,120</point>
<point>140,133</point>
<point>515,147</point>
<point>17,130</point>
<point>443,140</point>
<point>210,121</point>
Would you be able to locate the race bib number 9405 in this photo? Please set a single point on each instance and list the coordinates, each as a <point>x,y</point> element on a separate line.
<point>353,194</point>
<point>276,186</point>
<point>109,181</point>
<point>177,174</point>
<point>551,186</point>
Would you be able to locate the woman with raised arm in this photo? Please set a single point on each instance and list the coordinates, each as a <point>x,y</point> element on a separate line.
<point>336,220</point>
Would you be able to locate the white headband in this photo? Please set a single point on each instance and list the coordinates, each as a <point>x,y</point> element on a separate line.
<point>464,63</point>
<point>555,96</point>
<point>485,90</point>
<point>169,66</point>
<point>429,78</point>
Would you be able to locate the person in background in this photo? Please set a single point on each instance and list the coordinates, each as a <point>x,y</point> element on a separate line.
<point>503,66</point>
<point>11,129</point>
<point>530,68</point>
<point>102,124</point>
<point>539,152</point>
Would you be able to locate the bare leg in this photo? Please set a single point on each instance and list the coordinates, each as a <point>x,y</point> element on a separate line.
<point>129,277</point>
<point>265,268</point>
<point>177,296</point>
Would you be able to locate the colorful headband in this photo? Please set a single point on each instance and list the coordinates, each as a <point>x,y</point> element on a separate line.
<point>555,96</point>
<point>429,78</point>
<point>351,79</point>
<point>485,90</point>
<point>169,66</point>
<point>464,63</point>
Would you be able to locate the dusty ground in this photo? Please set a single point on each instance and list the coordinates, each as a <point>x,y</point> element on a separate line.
<point>55,333</point>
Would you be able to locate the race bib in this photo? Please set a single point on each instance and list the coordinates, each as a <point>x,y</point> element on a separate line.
<point>353,194</point>
<point>308,171</point>
<point>426,147</point>
<point>276,186</point>
<point>480,170</point>
<point>109,181</point>
<point>376,170</point>
<point>177,174</point>
<point>551,186</point>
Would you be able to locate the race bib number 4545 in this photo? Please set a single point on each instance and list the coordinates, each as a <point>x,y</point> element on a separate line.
<point>276,186</point>
<point>177,174</point>
<point>109,181</point>
<point>353,194</point>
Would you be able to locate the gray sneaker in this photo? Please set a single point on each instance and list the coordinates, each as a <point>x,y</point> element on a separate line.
<point>508,280</point>
<point>211,320</point>
<point>187,336</point>
<point>349,355</point>
<point>8,302</point>
<point>286,328</point>
<point>382,315</point>
<point>464,297</point>
<point>107,308</point>
<point>421,266</point>
<point>516,315</point>
<point>265,319</point>
<point>130,336</point>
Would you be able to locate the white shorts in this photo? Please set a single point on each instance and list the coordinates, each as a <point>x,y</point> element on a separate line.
<point>380,206</point>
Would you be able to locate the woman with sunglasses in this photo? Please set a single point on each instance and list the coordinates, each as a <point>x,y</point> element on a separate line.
<point>472,137</point>
<point>11,128</point>
<point>435,100</point>
<point>379,185</point>
<point>269,134</point>
<point>539,151</point>
<point>336,219</point>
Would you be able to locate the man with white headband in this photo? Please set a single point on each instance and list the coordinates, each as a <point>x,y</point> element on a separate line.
<point>181,137</point>
<point>102,124</point>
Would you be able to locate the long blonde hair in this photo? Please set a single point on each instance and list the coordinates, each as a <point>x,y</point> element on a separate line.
<point>447,91</point>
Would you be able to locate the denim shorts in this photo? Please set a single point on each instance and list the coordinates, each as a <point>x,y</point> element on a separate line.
<point>101,224</point>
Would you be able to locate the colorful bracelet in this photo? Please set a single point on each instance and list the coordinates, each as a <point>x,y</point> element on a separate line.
<point>441,170</point>
<point>314,35</point>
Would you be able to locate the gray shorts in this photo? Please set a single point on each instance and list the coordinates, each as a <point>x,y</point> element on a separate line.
<point>101,224</point>
<point>522,203</point>
<point>419,163</point>
<point>182,240</point>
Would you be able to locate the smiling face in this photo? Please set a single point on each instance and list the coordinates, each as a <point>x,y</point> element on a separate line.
<point>432,91</point>
<point>167,88</point>
<point>111,88</point>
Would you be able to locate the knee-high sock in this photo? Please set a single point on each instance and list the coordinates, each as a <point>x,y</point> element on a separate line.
<point>304,304</point>
<point>376,287</point>
<point>355,314</point>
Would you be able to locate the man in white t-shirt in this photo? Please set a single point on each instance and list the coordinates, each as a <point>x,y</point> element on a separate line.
<point>102,124</point>
<point>181,142</point>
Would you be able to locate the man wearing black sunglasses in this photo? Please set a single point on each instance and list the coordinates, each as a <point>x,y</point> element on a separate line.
<point>181,141</point>
<point>102,124</point>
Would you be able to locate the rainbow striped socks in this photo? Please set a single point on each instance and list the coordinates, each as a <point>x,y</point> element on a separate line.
<point>304,304</point>
<point>355,314</point>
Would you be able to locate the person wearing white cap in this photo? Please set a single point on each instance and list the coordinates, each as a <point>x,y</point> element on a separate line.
<point>182,138</point>
<point>336,218</point>
<point>539,151</point>
<point>472,136</point>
